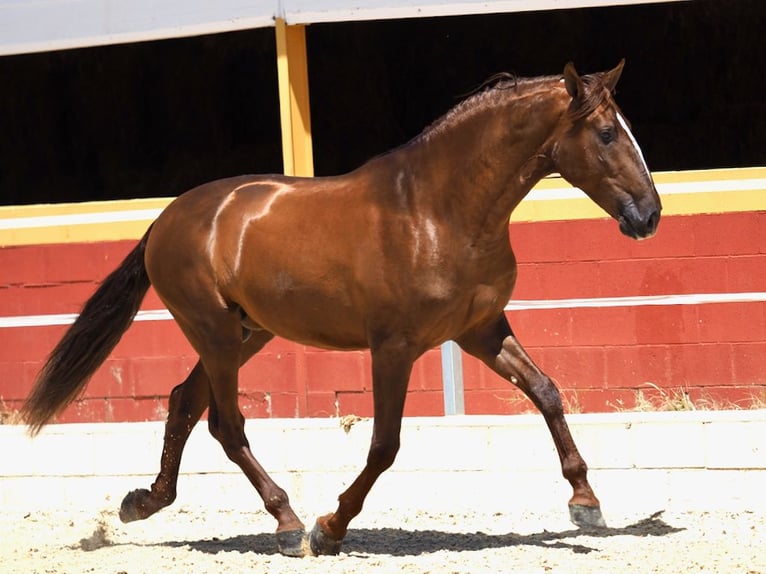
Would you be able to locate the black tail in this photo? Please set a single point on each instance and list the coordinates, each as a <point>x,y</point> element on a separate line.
<point>88,342</point>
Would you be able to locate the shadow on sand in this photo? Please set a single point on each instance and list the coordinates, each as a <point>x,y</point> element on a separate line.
<point>400,542</point>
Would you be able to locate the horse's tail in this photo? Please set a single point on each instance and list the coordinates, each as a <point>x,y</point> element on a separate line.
<point>87,343</point>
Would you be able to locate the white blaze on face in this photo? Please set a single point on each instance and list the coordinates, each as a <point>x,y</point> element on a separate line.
<point>624,125</point>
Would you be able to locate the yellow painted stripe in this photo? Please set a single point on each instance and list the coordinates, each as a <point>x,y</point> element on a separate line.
<point>683,193</point>
<point>78,222</point>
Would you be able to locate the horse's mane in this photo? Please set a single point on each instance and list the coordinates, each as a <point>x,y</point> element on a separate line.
<point>496,87</point>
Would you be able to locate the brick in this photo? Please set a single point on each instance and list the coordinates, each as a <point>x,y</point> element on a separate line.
<point>366,370</point>
<point>664,325</point>
<point>613,400</point>
<point>43,299</point>
<point>270,372</point>
<point>335,370</point>
<point>16,384</point>
<point>735,322</point>
<point>675,238</point>
<point>686,275</point>
<point>473,372</point>
<point>542,327</point>
<point>630,277</point>
<point>575,240</point>
<point>538,241</point>
<point>152,300</point>
<point>279,346</point>
<point>700,365</point>
<point>82,261</point>
<point>28,344</point>
<point>85,410</point>
<point>114,379</point>
<point>424,403</point>
<point>427,372</point>
<point>592,240</point>
<point>254,405</point>
<point>749,363</point>
<point>13,301</point>
<point>355,403</point>
<point>497,402</point>
<point>567,279</point>
<point>157,376</point>
<point>153,338</point>
<point>321,404</point>
<point>575,400</point>
<point>728,233</point>
<point>528,281</point>
<point>20,265</point>
<point>630,366</point>
<point>604,326</point>
<point>575,367</point>
<point>135,410</point>
<point>746,273</point>
<point>284,405</point>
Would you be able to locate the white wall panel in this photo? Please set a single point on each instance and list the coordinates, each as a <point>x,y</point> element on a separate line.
<point>44,25</point>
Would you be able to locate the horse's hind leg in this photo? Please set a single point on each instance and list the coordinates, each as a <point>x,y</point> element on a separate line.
<point>501,351</point>
<point>218,340</point>
<point>187,403</point>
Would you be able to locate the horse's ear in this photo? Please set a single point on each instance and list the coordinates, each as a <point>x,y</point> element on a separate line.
<point>611,77</point>
<point>573,81</point>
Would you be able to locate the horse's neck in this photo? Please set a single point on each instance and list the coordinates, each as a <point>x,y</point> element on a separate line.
<point>481,165</point>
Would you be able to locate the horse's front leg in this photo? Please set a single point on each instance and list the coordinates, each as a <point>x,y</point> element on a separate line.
<point>500,350</point>
<point>391,368</point>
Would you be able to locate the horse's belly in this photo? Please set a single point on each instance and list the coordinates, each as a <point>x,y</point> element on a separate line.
<point>315,322</point>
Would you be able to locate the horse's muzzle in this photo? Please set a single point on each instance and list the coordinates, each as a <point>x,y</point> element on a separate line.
<point>638,223</point>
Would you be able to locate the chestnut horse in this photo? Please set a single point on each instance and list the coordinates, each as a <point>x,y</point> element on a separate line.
<point>408,251</point>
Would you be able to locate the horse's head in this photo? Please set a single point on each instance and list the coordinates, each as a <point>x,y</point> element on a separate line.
<point>597,152</point>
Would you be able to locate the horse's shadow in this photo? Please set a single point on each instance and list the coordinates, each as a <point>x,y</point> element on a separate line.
<point>400,542</point>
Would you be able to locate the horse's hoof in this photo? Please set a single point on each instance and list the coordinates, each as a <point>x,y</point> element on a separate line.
<point>322,544</point>
<point>292,543</point>
<point>130,509</point>
<point>586,516</point>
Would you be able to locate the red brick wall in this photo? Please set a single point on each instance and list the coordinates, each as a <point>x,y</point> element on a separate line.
<point>600,357</point>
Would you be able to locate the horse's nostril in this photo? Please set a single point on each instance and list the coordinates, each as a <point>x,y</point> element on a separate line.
<point>653,221</point>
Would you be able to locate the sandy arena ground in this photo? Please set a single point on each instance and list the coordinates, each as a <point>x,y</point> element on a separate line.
<point>183,540</point>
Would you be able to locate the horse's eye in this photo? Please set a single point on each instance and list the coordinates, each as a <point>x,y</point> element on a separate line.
<point>607,135</point>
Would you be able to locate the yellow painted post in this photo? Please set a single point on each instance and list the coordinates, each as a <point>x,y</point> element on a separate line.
<point>292,69</point>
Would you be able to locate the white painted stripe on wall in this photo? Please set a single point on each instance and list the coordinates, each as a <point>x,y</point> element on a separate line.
<point>516,305</point>
<point>639,301</point>
<point>69,318</point>
<point>80,218</point>
<point>690,187</point>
